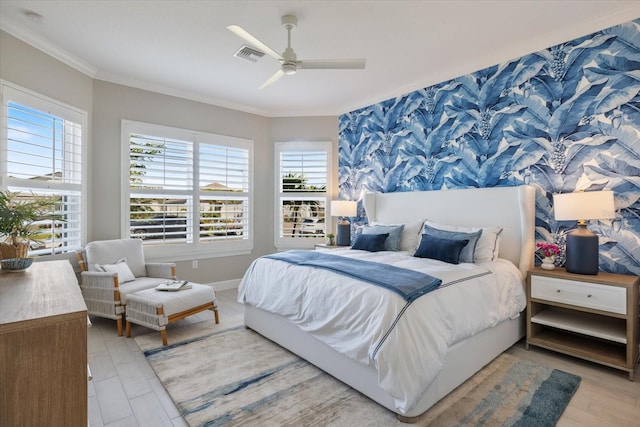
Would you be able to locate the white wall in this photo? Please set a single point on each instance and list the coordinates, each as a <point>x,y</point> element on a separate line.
<point>108,103</point>
<point>30,68</point>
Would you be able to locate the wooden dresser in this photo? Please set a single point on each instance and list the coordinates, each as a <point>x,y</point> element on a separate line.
<point>43,347</point>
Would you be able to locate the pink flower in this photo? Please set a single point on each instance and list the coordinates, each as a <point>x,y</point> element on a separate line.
<point>547,249</point>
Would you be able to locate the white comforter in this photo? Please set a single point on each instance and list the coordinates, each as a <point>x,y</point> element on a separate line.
<point>357,319</point>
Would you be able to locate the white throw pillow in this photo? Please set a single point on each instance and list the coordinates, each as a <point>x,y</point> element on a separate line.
<point>488,244</point>
<point>121,268</point>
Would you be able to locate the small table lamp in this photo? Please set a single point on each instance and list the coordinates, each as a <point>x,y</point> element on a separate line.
<point>343,209</point>
<point>582,244</point>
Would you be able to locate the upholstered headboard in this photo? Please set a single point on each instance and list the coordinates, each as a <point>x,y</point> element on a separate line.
<point>512,208</point>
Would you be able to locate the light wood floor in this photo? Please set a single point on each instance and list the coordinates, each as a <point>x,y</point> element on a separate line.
<point>126,392</point>
<point>605,398</point>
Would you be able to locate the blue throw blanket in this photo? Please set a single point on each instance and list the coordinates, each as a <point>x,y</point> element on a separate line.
<point>408,284</point>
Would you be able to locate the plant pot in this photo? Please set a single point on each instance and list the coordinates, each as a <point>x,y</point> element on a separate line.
<point>547,263</point>
<point>15,264</point>
<point>8,250</point>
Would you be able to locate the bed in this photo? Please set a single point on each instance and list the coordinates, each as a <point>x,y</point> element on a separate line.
<point>378,372</point>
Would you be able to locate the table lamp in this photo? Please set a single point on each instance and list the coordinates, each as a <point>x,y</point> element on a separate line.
<point>343,209</point>
<point>582,245</point>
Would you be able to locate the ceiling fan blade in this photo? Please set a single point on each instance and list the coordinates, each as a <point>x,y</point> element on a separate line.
<point>333,64</point>
<point>243,34</point>
<point>278,74</point>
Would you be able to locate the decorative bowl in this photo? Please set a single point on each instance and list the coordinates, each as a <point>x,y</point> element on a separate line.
<point>16,264</point>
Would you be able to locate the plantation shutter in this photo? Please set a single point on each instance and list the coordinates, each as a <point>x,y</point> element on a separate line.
<point>189,192</point>
<point>302,192</point>
<point>44,143</point>
<point>160,182</point>
<point>224,192</point>
<point>311,165</point>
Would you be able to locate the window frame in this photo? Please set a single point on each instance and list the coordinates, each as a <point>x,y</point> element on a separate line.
<point>284,243</point>
<point>195,248</point>
<point>10,92</point>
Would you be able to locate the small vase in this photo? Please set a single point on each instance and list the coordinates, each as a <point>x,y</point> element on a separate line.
<point>547,263</point>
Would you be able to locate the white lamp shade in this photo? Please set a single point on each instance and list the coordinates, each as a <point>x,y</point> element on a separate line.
<point>344,208</point>
<point>584,205</point>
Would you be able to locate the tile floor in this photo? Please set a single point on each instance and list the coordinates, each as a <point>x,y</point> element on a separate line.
<point>125,391</point>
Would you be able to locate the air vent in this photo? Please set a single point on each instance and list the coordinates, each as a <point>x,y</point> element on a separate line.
<point>249,53</point>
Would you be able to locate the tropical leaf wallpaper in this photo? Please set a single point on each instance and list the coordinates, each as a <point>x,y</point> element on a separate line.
<point>562,119</point>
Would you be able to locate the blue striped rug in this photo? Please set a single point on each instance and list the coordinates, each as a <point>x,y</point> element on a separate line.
<point>236,377</point>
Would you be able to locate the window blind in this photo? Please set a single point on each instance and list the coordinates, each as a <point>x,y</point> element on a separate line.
<point>302,191</point>
<point>44,143</point>
<point>187,188</point>
<point>224,186</point>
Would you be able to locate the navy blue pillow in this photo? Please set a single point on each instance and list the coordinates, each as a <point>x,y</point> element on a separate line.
<point>468,252</point>
<point>370,242</point>
<point>447,250</point>
<point>395,233</point>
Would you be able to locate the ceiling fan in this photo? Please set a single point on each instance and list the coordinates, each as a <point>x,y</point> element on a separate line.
<point>289,60</point>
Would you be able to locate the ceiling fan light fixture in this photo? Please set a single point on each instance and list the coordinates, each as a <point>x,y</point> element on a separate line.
<point>289,63</point>
<point>289,69</point>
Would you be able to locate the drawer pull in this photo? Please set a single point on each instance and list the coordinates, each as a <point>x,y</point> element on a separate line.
<point>588,295</point>
<point>558,290</point>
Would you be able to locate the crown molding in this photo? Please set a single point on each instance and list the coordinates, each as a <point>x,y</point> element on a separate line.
<point>46,46</point>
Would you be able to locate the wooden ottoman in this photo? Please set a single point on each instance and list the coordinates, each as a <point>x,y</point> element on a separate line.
<point>155,309</point>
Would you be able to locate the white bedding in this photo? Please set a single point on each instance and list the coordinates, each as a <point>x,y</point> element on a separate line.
<point>357,319</point>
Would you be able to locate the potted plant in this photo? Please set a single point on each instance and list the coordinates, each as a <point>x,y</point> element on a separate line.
<point>548,253</point>
<point>330,239</point>
<point>18,212</point>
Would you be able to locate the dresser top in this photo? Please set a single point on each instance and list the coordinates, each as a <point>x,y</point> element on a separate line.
<point>45,289</point>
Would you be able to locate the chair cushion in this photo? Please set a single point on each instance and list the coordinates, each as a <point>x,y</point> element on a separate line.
<point>110,251</point>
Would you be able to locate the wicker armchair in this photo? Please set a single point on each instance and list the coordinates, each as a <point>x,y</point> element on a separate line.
<point>104,292</point>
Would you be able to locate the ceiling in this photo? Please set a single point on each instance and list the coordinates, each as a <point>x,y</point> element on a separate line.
<point>183,48</point>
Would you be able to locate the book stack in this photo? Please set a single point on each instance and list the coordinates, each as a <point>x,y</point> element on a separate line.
<point>173,285</point>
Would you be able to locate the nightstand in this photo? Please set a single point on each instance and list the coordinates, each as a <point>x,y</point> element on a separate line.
<point>593,317</point>
<point>324,246</point>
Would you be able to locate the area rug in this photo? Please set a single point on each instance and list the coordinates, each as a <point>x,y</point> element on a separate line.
<point>237,377</point>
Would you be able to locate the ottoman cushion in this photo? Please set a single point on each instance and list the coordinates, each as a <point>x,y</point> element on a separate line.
<point>179,301</point>
<point>140,284</point>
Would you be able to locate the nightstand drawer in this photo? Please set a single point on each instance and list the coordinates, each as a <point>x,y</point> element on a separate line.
<point>591,295</point>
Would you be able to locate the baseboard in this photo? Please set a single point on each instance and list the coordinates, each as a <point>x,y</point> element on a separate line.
<point>225,285</point>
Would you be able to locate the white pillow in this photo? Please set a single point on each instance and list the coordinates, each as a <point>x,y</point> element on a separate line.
<point>488,244</point>
<point>411,234</point>
<point>121,268</point>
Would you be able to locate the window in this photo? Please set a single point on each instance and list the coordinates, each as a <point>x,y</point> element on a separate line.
<point>303,176</point>
<point>187,193</point>
<point>42,155</point>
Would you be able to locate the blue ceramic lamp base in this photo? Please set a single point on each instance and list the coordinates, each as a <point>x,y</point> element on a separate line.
<point>582,251</point>
<point>343,235</point>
